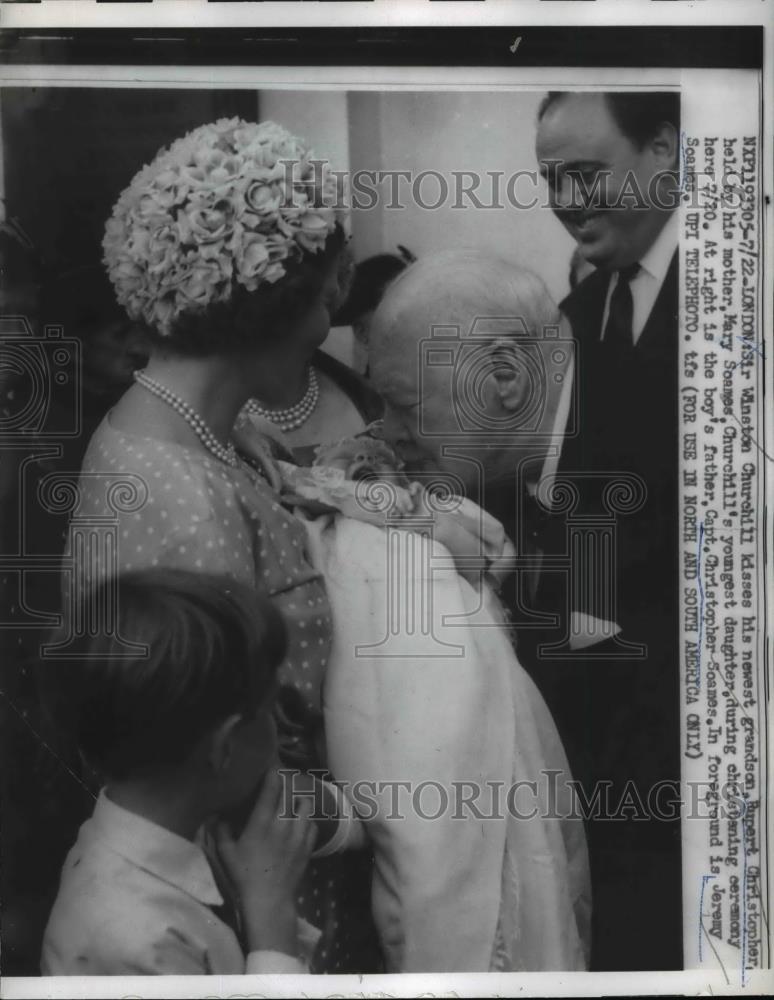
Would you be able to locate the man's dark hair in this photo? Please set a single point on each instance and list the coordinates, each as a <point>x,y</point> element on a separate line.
<point>638,115</point>
<point>213,646</point>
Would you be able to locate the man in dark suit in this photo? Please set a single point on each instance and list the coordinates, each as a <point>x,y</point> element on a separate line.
<point>610,670</point>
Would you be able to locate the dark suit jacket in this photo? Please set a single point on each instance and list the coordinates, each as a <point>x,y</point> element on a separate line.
<point>619,717</point>
<point>627,422</point>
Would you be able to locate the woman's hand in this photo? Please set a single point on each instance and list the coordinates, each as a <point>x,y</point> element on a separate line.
<point>463,545</point>
<point>266,862</point>
<point>253,441</point>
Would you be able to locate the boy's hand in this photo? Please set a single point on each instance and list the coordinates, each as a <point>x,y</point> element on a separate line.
<point>266,863</point>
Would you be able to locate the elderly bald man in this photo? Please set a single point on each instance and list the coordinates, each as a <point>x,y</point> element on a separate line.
<point>470,356</point>
<point>471,359</point>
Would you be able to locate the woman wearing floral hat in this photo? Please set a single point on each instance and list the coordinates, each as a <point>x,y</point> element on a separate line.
<point>227,247</point>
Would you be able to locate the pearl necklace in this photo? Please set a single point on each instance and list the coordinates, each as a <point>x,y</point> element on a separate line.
<point>293,416</point>
<point>226,453</point>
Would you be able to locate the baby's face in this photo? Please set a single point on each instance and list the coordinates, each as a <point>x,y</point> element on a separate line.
<point>360,458</point>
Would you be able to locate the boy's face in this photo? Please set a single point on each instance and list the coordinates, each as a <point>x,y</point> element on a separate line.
<point>253,751</point>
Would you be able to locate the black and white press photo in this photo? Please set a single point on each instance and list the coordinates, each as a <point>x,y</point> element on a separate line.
<point>382,552</point>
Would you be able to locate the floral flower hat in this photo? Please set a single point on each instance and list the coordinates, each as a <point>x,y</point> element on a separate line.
<point>231,203</point>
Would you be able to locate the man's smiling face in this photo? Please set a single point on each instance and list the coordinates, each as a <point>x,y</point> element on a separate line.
<point>579,143</point>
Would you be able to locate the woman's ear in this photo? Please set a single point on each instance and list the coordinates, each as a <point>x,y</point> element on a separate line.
<point>222,739</point>
<point>509,372</point>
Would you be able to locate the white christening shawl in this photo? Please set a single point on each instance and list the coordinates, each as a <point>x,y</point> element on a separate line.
<point>417,694</point>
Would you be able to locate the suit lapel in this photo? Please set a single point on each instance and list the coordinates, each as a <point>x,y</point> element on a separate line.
<point>585,306</point>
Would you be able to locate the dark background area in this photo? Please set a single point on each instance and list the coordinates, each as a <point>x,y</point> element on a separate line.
<point>68,153</point>
<point>729,46</point>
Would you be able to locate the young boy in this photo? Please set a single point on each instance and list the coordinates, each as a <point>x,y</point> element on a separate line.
<point>183,735</point>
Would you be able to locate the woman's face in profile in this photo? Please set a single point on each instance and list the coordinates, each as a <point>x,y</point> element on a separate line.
<point>314,325</point>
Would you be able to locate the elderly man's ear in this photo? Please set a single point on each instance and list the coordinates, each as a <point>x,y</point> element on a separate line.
<point>510,373</point>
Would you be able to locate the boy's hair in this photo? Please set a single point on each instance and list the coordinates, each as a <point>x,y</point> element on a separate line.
<point>213,647</point>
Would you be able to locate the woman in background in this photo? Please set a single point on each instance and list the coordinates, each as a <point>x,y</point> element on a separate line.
<point>113,347</point>
<point>370,280</point>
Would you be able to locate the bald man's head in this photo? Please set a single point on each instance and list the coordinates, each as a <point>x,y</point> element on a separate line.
<point>455,351</point>
<point>455,288</point>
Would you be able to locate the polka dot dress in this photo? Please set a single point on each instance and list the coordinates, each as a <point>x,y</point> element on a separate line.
<point>194,512</point>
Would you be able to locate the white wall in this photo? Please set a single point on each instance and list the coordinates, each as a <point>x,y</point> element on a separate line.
<point>444,131</point>
<point>320,117</point>
<point>448,131</point>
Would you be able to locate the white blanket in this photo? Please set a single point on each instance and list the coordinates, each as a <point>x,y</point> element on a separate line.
<point>445,703</point>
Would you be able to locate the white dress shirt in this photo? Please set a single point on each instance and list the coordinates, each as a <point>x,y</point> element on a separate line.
<point>646,284</point>
<point>136,899</point>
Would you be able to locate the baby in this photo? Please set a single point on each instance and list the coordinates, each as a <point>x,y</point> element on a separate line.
<point>423,691</point>
<point>363,478</point>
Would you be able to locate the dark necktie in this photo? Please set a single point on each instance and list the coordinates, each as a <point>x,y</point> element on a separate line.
<point>618,330</point>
